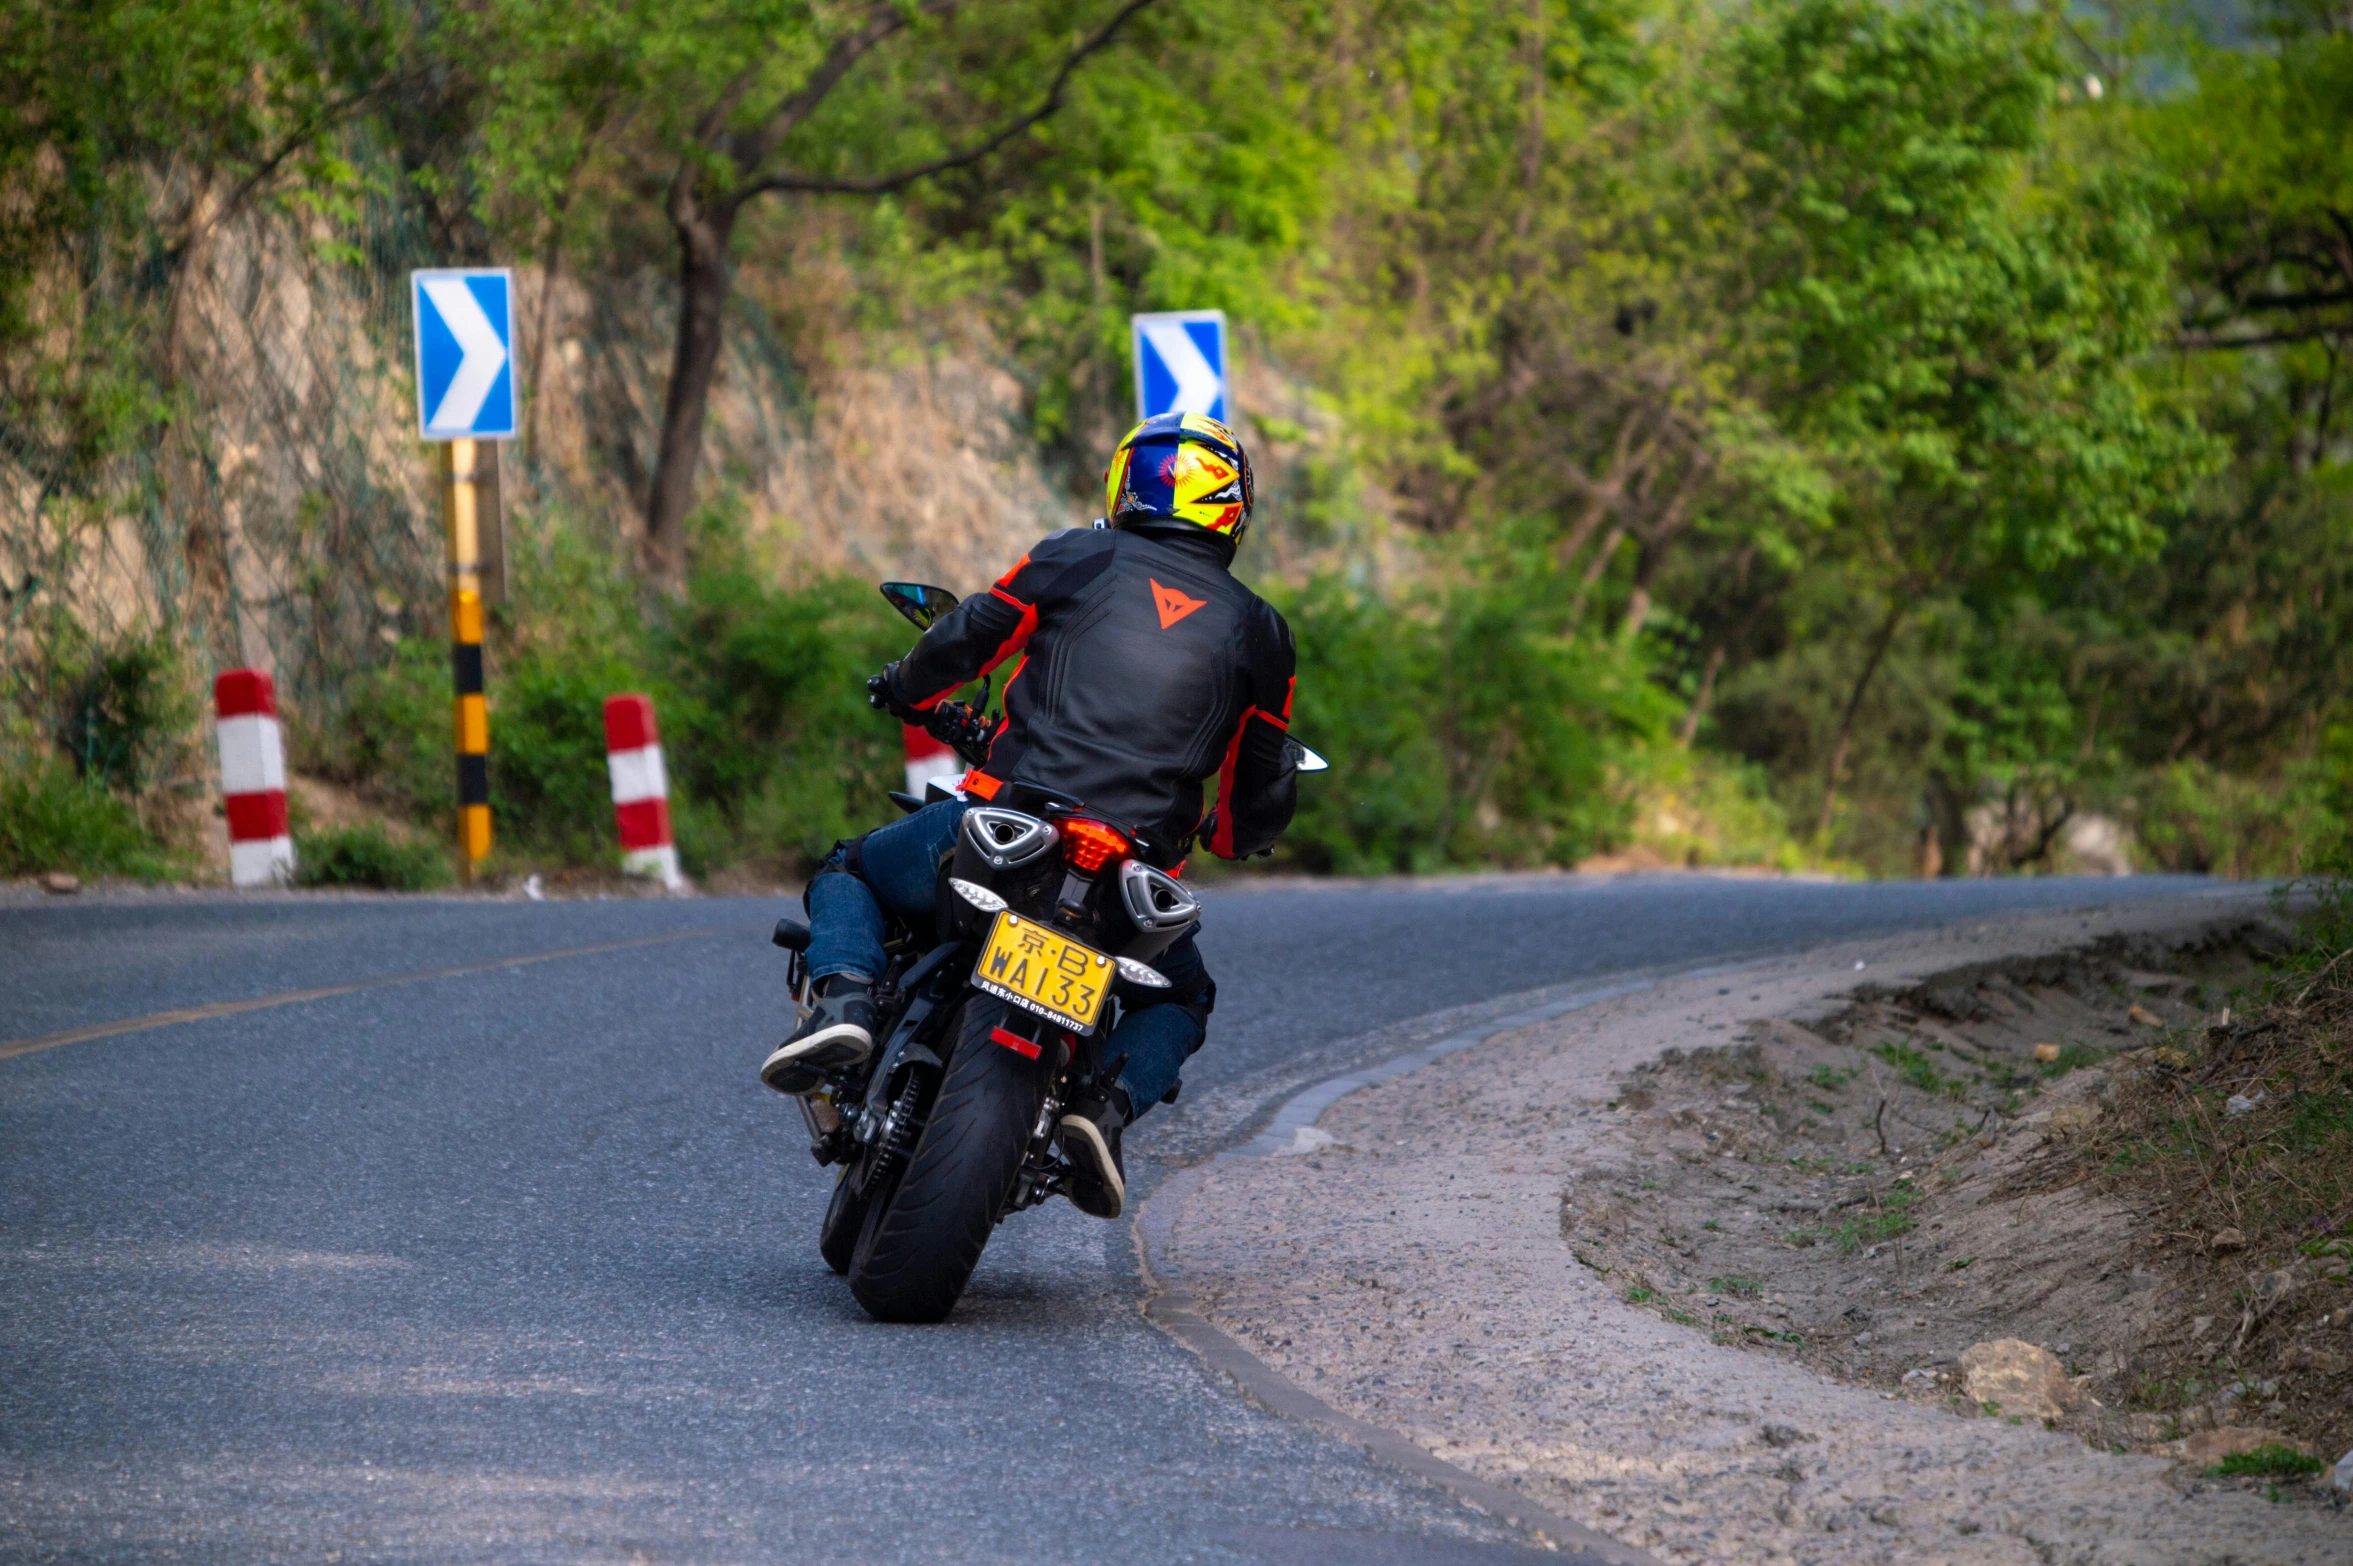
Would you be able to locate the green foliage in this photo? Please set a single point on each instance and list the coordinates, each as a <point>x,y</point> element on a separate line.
<point>773,731</point>
<point>51,820</point>
<point>2273,1461</point>
<point>125,708</point>
<point>395,736</point>
<point>1891,1218</point>
<point>1915,1068</point>
<point>367,855</point>
<point>2195,816</point>
<point>1468,725</point>
<point>1684,421</point>
<point>759,692</point>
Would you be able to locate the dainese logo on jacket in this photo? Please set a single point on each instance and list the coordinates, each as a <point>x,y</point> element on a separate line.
<point>1173,605</point>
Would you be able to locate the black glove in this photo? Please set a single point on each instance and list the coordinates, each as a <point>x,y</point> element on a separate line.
<point>880,698</point>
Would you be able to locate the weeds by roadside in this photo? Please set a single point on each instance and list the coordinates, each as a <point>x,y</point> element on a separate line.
<point>52,820</point>
<point>367,855</point>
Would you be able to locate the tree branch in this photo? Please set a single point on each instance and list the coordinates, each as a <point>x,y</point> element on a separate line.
<point>884,184</point>
<point>2196,341</point>
<point>881,23</point>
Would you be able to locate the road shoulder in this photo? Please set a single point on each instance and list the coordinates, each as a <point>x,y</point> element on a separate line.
<point>1405,1265</point>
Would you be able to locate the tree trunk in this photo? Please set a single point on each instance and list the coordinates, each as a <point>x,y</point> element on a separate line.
<point>1595,569</point>
<point>703,285</point>
<point>549,270</point>
<point>1700,698</point>
<point>1646,565</point>
<point>1854,704</point>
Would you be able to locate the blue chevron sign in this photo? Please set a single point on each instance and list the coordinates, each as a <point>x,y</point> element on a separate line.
<point>465,353</point>
<point>1180,362</point>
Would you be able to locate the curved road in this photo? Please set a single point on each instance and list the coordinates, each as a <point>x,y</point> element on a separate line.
<point>517,1262</point>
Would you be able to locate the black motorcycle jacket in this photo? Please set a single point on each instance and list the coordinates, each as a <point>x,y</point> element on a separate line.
<point>1145,669</point>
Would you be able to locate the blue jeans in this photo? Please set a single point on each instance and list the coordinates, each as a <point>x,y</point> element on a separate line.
<point>899,871</point>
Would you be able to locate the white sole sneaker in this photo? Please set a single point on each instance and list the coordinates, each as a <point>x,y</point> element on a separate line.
<point>1082,1143</point>
<point>797,1065</point>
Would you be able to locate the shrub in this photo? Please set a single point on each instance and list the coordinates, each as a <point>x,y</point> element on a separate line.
<point>1470,724</point>
<point>394,737</point>
<point>549,788</point>
<point>127,708</point>
<point>367,855</point>
<point>50,820</point>
<point>2267,1462</point>
<point>2192,816</point>
<point>764,712</point>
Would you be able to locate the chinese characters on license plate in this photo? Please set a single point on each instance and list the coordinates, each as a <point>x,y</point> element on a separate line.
<point>1039,971</point>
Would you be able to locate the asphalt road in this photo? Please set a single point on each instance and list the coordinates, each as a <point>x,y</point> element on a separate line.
<point>518,1263</point>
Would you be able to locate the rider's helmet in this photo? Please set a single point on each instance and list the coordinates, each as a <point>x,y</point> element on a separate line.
<point>1180,467</point>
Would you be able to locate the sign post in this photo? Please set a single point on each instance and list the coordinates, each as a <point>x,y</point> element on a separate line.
<point>1180,363</point>
<point>465,330</point>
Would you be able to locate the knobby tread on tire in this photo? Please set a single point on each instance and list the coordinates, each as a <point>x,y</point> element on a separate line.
<point>919,1245</point>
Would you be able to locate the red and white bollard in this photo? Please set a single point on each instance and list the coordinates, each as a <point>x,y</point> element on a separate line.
<point>641,790</point>
<point>928,758</point>
<point>253,778</point>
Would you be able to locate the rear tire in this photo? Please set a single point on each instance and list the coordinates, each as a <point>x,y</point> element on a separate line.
<point>920,1242</point>
<point>845,1215</point>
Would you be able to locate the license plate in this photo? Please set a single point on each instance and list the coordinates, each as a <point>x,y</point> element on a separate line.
<point>1037,970</point>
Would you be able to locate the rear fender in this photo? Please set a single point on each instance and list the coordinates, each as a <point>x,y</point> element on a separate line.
<point>933,985</point>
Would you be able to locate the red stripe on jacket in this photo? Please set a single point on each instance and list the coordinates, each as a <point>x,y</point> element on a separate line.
<point>1005,649</point>
<point>1221,841</point>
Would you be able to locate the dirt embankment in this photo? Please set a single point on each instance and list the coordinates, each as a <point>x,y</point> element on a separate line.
<point>1980,1158</point>
<point>1687,1267</point>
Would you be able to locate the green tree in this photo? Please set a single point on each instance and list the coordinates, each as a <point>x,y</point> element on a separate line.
<point>1958,326</point>
<point>728,101</point>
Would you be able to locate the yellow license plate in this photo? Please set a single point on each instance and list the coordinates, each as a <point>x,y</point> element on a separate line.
<point>1037,970</point>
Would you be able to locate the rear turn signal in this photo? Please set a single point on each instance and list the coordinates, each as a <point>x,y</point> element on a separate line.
<point>1090,845</point>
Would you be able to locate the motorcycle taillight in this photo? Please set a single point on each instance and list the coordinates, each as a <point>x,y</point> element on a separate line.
<point>1088,846</point>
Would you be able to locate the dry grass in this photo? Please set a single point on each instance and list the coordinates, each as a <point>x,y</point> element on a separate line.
<point>2236,1143</point>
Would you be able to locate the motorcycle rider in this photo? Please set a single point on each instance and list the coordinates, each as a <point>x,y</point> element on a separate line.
<point>1146,668</point>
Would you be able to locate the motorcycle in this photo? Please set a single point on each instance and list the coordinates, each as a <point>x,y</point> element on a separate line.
<point>992,1012</point>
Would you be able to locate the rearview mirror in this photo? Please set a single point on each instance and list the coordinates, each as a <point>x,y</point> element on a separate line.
<point>1302,759</point>
<point>918,601</point>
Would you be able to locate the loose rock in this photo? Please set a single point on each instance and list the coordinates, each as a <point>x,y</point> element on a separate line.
<point>2341,1477</point>
<point>2048,1054</point>
<point>2018,1378</point>
<point>2072,1119</point>
<point>2145,1017</point>
<point>62,884</point>
<point>2227,1240</point>
<point>1783,1435</point>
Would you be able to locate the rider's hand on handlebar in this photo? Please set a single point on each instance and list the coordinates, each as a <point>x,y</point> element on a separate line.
<point>879,697</point>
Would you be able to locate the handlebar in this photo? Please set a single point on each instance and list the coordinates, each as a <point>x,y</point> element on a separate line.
<point>952,723</point>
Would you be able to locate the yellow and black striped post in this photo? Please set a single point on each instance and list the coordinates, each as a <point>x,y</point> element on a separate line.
<point>461,508</point>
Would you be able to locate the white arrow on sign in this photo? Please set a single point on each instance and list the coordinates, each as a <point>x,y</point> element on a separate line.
<point>478,340</point>
<point>1196,382</point>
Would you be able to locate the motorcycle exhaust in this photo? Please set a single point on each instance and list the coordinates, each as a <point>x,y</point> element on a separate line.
<point>1154,899</point>
<point>1007,839</point>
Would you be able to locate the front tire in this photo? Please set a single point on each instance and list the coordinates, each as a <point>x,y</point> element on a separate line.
<point>920,1243</point>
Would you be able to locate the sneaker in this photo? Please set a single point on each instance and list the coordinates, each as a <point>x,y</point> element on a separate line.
<point>1089,1135</point>
<point>837,1035</point>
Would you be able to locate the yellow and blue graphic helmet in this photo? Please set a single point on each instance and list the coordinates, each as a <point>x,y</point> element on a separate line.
<point>1180,467</point>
